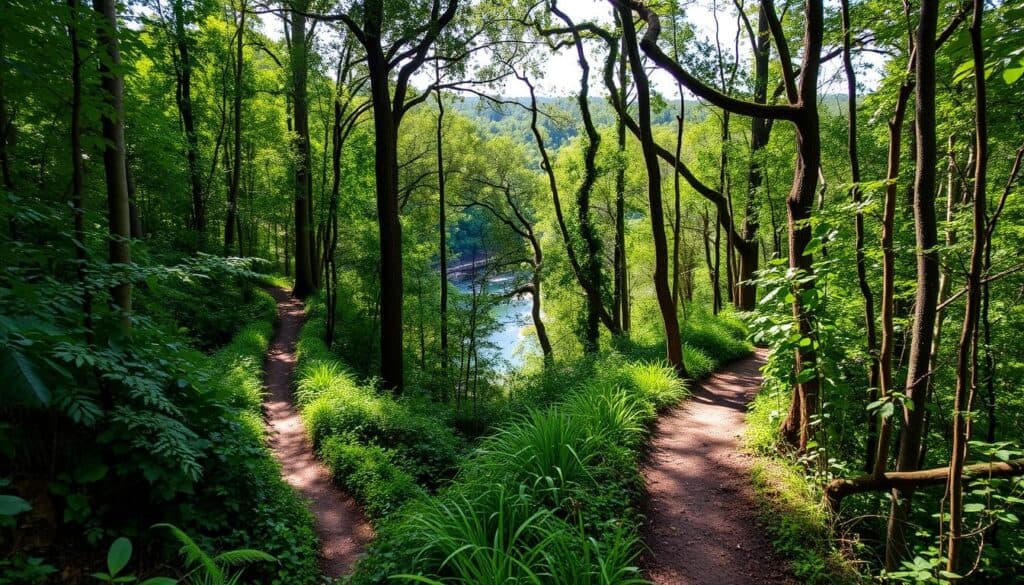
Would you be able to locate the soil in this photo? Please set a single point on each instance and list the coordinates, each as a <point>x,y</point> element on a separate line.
<point>702,521</point>
<point>341,527</point>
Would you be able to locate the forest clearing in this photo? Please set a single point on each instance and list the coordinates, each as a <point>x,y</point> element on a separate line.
<point>481,292</point>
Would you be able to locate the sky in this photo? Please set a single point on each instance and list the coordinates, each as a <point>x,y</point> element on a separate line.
<point>562,72</point>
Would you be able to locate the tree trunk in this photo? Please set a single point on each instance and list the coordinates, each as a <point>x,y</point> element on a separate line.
<point>858,228</point>
<point>622,304</point>
<point>118,215</point>
<point>183,93</point>
<point>591,265</point>
<point>77,169</point>
<point>926,239</point>
<point>760,132</point>
<point>885,354</point>
<point>304,282</point>
<point>677,218</point>
<point>442,245</point>
<point>967,349</point>
<point>838,489</point>
<point>234,186</point>
<point>800,205</point>
<point>386,167</point>
<point>673,342</point>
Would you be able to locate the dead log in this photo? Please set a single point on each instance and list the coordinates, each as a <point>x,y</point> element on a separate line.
<point>838,489</point>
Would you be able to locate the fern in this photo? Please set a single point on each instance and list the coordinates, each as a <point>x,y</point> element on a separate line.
<point>206,569</point>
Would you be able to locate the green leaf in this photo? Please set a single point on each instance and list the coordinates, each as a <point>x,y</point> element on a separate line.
<point>13,505</point>
<point>19,374</point>
<point>1012,74</point>
<point>159,581</point>
<point>118,555</point>
<point>963,71</point>
<point>974,507</point>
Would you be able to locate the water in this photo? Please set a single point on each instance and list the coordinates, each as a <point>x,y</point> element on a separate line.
<point>512,315</point>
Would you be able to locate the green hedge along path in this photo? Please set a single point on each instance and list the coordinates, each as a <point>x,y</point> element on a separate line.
<point>701,517</point>
<point>341,527</point>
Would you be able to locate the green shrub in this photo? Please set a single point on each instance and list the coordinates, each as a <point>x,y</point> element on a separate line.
<point>371,474</point>
<point>611,414</point>
<point>544,451</point>
<point>359,415</point>
<point>498,536</point>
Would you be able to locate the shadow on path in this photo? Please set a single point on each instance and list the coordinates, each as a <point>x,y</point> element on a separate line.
<point>701,518</point>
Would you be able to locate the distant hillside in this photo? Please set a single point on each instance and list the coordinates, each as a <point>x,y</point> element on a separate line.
<point>563,112</point>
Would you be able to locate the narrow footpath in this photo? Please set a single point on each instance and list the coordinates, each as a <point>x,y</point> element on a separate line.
<point>341,527</point>
<point>702,522</point>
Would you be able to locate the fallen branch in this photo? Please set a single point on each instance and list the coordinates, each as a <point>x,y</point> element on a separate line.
<point>840,488</point>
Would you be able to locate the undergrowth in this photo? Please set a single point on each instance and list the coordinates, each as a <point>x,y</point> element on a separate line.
<point>243,501</point>
<point>549,495</point>
<point>790,503</point>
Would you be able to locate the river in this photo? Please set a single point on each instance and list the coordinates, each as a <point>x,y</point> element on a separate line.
<point>512,316</point>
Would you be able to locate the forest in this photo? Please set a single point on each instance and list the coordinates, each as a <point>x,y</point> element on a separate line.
<point>481,292</point>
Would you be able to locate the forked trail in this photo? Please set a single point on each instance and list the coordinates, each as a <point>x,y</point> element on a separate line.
<point>342,530</point>
<point>701,520</point>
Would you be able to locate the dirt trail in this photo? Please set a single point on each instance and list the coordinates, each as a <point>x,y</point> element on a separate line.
<point>342,530</point>
<point>701,520</point>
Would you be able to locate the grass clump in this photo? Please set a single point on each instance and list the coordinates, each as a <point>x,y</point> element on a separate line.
<point>657,382</point>
<point>551,497</point>
<point>721,338</point>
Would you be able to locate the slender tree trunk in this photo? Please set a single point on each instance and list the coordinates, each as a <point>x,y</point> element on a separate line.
<point>885,354</point>
<point>800,206</point>
<point>134,214</point>
<point>673,342</point>
<point>118,216</point>
<point>6,132</point>
<point>386,167</point>
<point>183,94</point>
<point>967,352</point>
<point>442,228</point>
<point>858,228</point>
<point>304,282</point>
<point>760,132</point>
<point>591,265</point>
<point>927,274</point>
<point>234,186</point>
<point>77,169</point>
<point>677,223</point>
<point>622,304</point>
<point>538,321</point>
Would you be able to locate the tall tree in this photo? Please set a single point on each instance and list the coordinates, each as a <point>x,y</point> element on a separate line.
<point>926,298</point>
<point>967,348</point>
<point>118,215</point>
<point>235,182</point>
<point>591,263</point>
<point>802,112</point>
<point>305,282</point>
<point>182,58</point>
<point>393,56</point>
<point>669,318</point>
